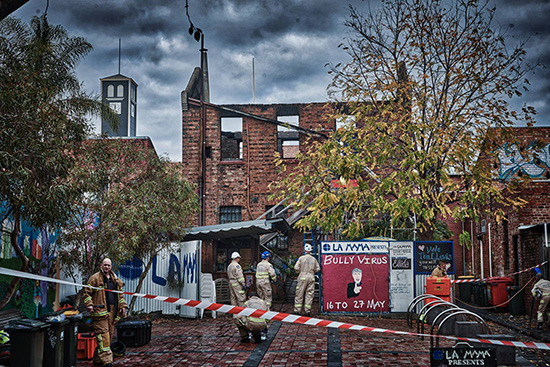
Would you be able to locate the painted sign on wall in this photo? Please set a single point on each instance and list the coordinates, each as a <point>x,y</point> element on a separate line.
<point>401,275</point>
<point>428,253</point>
<point>355,276</point>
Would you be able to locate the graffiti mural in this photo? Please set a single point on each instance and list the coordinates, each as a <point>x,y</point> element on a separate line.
<point>173,273</point>
<point>184,271</point>
<point>532,161</point>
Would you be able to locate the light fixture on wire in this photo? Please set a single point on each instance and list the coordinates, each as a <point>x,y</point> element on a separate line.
<point>193,31</point>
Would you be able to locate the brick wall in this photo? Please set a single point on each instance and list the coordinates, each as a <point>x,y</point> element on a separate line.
<point>245,182</point>
<point>517,244</point>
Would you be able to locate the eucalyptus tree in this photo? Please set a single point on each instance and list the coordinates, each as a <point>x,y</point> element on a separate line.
<point>133,204</point>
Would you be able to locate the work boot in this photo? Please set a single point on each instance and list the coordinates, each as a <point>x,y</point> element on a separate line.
<point>540,326</point>
<point>264,334</point>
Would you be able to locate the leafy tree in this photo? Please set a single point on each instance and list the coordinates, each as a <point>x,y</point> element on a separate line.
<point>43,116</point>
<point>133,204</point>
<point>426,82</point>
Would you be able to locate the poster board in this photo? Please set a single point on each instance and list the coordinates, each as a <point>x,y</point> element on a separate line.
<point>443,357</point>
<point>428,253</point>
<point>354,276</point>
<point>401,275</point>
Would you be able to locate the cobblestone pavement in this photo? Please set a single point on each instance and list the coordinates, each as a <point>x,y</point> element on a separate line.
<point>215,342</point>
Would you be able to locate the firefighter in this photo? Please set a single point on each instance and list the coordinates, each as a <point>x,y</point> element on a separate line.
<point>265,272</point>
<point>105,309</point>
<point>255,325</point>
<point>440,271</point>
<point>237,285</point>
<point>306,266</point>
<point>541,291</point>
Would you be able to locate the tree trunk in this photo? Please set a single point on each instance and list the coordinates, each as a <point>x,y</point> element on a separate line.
<point>24,260</point>
<point>140,282</point>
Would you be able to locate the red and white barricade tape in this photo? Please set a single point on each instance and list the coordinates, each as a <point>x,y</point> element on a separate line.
<point>278,316</point>
<point>509,275</point>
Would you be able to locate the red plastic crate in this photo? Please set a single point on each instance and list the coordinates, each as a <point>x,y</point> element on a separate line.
<point>444,298</point>
<point>438,286</point>
<point>86,346</point>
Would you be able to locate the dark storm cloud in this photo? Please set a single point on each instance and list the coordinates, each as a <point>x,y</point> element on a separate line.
<point>527,21</point>
<point>290,41</point>
<point>248,22</point>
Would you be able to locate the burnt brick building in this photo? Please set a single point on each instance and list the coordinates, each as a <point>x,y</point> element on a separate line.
<point>228,152</point>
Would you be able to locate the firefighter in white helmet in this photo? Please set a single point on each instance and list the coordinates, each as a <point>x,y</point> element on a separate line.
<point>265,272</point>
<point>307,266</point>
<point>237,285</point>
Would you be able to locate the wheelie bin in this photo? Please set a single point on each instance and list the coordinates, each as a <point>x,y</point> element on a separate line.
<point>516,305</point>
<point>54,340</point>
<point>71,338</point>
<point>465,289</point>
<point>480,293</point>
<point>26,342</point>
<point>496,292</point>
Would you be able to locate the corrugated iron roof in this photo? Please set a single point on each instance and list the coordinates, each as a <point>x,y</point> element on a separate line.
<point>238,229</point>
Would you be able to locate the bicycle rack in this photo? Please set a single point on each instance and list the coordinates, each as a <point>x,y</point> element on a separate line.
<point>414,302</point>
<point>423,314</point>
<point>459,311</point>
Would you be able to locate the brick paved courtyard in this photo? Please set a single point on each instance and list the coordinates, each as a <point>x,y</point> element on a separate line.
<point>215,342</point>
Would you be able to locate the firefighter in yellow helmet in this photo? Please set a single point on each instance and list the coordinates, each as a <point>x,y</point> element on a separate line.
<point>265,272</point>
<point>307,266</point>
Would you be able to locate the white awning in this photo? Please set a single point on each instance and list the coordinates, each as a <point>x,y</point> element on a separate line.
<point>238,229</point>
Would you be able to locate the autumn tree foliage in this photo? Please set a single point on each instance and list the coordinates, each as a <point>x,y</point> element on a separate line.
<point>133,204</point>
<point>425,82</point>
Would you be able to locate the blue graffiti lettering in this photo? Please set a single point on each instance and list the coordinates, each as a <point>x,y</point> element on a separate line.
<point>190,268</point>
<point>174,268</point>
<point>156,279</point>
<point>131,269</point>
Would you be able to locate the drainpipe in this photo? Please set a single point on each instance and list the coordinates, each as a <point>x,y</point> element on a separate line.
<point>490,251</point>
<point>205,98</point>
<point>481,257</point>
<point>544,253</point>
<point>473,252</point>
<point>463,255</point>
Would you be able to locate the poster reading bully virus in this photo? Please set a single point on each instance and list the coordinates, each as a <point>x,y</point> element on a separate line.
<point>354,276</point>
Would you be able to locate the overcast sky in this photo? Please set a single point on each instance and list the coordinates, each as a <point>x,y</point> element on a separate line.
<point>290,41</point>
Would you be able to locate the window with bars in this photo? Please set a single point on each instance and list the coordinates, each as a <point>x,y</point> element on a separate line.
<point>230,214</point>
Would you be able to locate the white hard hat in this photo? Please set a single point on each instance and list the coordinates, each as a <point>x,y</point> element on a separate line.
<point>235,255</point>
<point>308,247</point>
